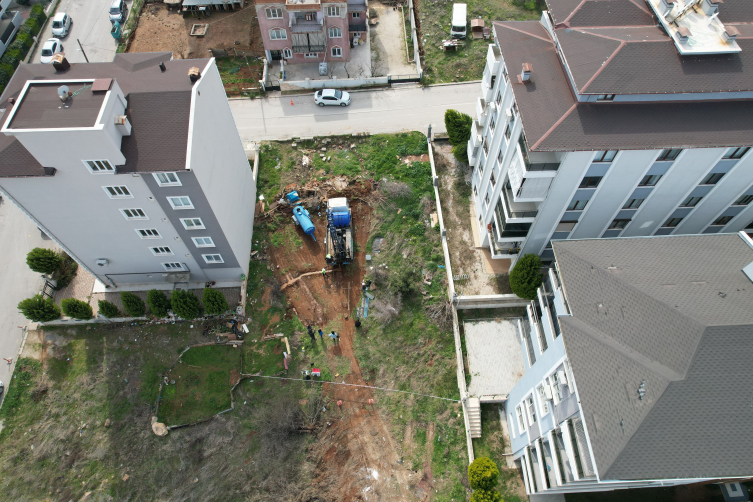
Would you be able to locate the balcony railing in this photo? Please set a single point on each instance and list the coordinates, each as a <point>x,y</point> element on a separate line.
<point>302,49</point>
<point>481,108</point>
<point>298,25</point>
<point>535,166</point>
<point>509,230</point>
<point>506,197</point>
<point>493,57</point>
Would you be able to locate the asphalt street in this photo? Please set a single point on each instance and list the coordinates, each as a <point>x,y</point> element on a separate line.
<point>90,25</point>
<point>380,111</point>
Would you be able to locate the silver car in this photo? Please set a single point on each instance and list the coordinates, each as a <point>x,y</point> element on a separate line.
<point>61,24</point>
<point>332,97</point>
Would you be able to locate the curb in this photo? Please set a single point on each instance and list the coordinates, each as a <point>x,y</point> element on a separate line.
<point>455,83</point>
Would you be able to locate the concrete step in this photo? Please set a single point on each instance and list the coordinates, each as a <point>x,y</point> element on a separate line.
<point>473,409</point>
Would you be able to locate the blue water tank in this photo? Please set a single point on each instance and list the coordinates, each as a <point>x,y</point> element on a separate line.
<point>302,216</point>
<point>340,220</point>
<point>292,197</point>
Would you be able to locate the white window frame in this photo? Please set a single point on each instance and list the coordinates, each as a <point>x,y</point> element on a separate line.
<point>127,217</point>
<point>172,200</point>
<point>168,266</point>
<point>556,387</point>
<point>333,11</point>
<point>276,13</point>
<point>200,226</point>
<point>287,53</point>
<point>161,251</point>
<point>522,426</point>
<point>338,32</point>
<point>148,231</point>
<point>105,168</point>
<point>512,429</point>
<point>275,32</point>
<point>212,260</point>
<point>339,50</point>
<point>161,183</point>
<point>530,403</point>
<point>118,192</point>
<point>543,401</point>
<point>356,15</point>
<point>196,242</point>
<point>311,55</point>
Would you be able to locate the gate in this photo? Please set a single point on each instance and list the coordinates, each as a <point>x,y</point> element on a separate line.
<point>399,79</point>
<point>273,85</point>
<point>47,290</point>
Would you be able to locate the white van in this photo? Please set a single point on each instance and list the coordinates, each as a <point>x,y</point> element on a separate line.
<point>458,20</point>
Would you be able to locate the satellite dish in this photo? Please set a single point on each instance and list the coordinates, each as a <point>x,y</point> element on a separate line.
<point>63,92</point>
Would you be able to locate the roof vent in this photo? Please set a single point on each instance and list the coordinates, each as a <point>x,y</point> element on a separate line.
<point>730,33</point>
<point>525,74</point>
<point>64,92</point>
<point>710,7</point>
<point>162,66</point>
<point>683,34</point>
<point>194,74</point>
<point>123,125</point>
<point>59,62</point>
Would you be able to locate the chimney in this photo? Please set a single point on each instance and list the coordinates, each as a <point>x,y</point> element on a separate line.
<point>710,7</point>
<point>683,34</point>
<point>59,62</point>
<point>667,6</point>
<point>525,74</point>
<point>729,34</point>
<point>194,74</point>
<point>162,66</point>
<point>123,125</point>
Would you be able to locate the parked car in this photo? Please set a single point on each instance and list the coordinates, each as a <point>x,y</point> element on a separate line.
<point>61,24</point>
<point>332,97</point>
<point>2,388</point>
<point>50,48</point>
<point>118,11</point>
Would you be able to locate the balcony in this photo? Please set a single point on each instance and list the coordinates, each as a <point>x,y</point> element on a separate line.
<point>304,49</point>
<point>487,84</point>
<point>527,187</point>
<point>509,231</point>
<point>476,134</point>
<point>502,250</point>
<point>472,155</point>
<point>303,25</point>
<point>516,210</point>
<point>481,111</point>
<point>307,5</point>
<point>535,161</point>
<point>493,57</point>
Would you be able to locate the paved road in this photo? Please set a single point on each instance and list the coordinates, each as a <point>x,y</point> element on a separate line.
<point>381,111</point>
<point>18,236</point>
<point>91,25</point>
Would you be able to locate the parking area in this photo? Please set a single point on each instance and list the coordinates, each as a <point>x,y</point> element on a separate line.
<point>358,66</point>
<point>389,56</point>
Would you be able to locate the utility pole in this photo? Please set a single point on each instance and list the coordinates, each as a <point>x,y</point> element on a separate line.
<point>82,49</point>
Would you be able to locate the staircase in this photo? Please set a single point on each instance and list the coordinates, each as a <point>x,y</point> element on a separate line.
<point>473,408</point>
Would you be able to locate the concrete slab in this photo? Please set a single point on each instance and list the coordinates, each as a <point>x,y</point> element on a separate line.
<point>388,42</point>
<point>359,65</point>
<point>495,360</point>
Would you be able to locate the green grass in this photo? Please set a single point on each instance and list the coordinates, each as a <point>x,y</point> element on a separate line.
<point>264,357</point>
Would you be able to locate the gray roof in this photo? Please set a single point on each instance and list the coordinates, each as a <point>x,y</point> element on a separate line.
<point>650,310</point>
<point>41,107</point>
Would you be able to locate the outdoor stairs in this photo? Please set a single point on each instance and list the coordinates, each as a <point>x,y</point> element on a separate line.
<point>473,408</point>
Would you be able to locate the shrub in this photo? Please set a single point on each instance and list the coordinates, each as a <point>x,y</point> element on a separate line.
<point>25,29</point>
<point>108,309</point>
<point>7,68</point>
<point>185,304</point>
<point>10,59</point>
<point>44,261</point>
<point>158,303</point>
<point>33,25</point>
<point>76,308</point>
<point>4,76</point>
<point>525,278</point>
<point>37,12</point>
<point>458,127</point>
<point>214,301</point>
<point>66,272</point>
<point>132,304</point>
<point>486,496</point>
<point>483,474</point>
<point>39,309</point>
<point>18,45</point>
<point>23,2</point>
<point>14,55</point>
<point>25,38</point>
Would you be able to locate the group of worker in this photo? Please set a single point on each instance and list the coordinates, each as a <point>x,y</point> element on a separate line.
<point>334,336</point>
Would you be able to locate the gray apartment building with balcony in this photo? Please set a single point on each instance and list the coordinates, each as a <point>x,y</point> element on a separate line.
<point>615,119</point>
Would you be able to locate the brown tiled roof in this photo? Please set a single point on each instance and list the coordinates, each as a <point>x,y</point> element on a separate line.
<point>15,160</point>
<point>580,13</point>
<point>736,11</point>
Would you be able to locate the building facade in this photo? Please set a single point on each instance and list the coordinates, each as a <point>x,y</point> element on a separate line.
<point>138,173</point>
<point>634,351</point>
<point>10,21</point>
<point>593,122</point>
<point>311,31</point>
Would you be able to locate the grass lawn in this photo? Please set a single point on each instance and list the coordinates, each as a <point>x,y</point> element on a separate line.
<point>264,357</point>
<point>468,61</point>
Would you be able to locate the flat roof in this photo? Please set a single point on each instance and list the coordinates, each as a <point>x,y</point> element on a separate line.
<point>40,106</point>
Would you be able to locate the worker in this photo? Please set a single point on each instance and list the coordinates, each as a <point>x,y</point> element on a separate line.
<point>324,272</point>
<point>312,336</point>
<point>321,335</point>
<point>328,257</point>
<point>335,337</point>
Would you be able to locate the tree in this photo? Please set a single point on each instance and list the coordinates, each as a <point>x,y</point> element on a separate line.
<point>76,308</point>
<point>185,304</point>
<point>44,261</point>
<point>483,474</point>
<point>158,303</point>
<point>132,304</point>
<point>214,301</point>
<point>108,309</point>
<point>525,278</point>
<point>486,496</point>
<point>39,309</point>
<point>458,127</point>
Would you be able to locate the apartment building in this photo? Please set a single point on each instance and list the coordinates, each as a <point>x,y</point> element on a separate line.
<point>636,354</point>
<point>10,21</point>
<point>135,168</point>
<point>311,31</point>
<point>618,118</point>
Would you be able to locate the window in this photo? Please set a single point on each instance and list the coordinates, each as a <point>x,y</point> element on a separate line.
<point>590,182</point>
<point>543,399</point>
<point>134,214</point>
<point>492,124</point>
<point>486,199</point>
<point>486,146</point>
<point>213,258</point>
<point>287,53</point>
<point>173,266</point>
<point>736,153</point>
<point>669,154</point>
<point>160,250</point>
<point>507,79</point>
<point>475,193</point>
<point>548,245</point>
<point>278,34</point>
<point>493,179</point>
<point>181,202</point>
<point>521,420</point>
<point>605,156</point>
<point>556,387</point>
<point>577,205</point>
<point>99,166</point>
<point>508,131</point>
<point>672,222</point>
<point>722,220</point>
<point>274,13</point>
<point>337,52</point>
<point>311,55</point>
<point>356,15</point>
<point>633,204</point>
<point>531,409</point>
<point>605,97</point>
<point>148,233</point>
<point>333,11</point>
<point>691,202</point>
<point>500,154</point>
<point>203,242</point>
<point>712,179</point>
<point>744,200</point>
<point>335,33</point>
<point>618,224</point>
<point>192,223</point>
<point>120,192</point>
<point>167,179</point>
<point>650,180</point>
<point>499,99</point>
<point>565,226</point>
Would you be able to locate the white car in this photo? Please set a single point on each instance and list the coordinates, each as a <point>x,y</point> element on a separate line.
<point>332,97</point>
<point>61,24</point>
<point>50,48</point>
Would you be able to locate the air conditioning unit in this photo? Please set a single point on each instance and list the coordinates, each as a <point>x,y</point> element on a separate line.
<point>102,262</point>
<point>508,114</point>
<point>562,377</point>
<point>547,391</point>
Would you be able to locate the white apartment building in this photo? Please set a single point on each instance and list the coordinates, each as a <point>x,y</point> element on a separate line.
<point>615,119</point>
<point>135,168</point>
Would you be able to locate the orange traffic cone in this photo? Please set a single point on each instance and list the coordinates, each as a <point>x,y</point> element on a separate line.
<point>291,102</point>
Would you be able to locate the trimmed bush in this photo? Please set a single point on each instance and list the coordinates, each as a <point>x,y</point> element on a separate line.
<point>23,2</point>
<point>67,271</point>
<point>25,39</point>
<point>132,304</point>
<point>39,309</point>
<point>483,474</point>
<point>158,303</point>
<point>77,309</point>
<point>7,68</point>
<point>108,309</point>
<point>458,127</point>
<point>44,261</point>
<point>37,12</point>
<point>10,59</point>
<point>14,54</point>
<point>525,278</point>
<point>486,496</point>
<point>185,304</point>
<point>33,25</point>
<point>25,29</point>
<point>4,77</point>
<point>214,301</point>
<point>18,45</point>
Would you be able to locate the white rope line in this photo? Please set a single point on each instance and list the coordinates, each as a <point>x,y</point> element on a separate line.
<point>353,385</point>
